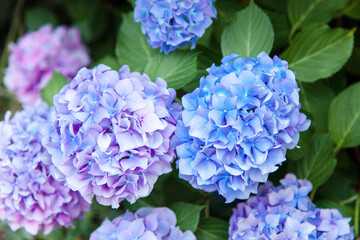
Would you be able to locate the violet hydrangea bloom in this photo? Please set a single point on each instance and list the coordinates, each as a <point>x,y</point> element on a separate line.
<point>110,134</point>
<point>171,24</point>
<point>286,212</point>
<point>37,54</point>
<point>146,224</point>
<point>30,197</point>
<point>236,127</point>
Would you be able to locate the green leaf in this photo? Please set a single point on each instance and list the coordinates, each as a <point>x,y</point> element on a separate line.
<point>38,16</point>
<point>338,187</point>
<point>56,83</point>
<point>212,228</point>
<point>20,234</point>
<point>299,153</point>
<point>109,61</point>
<point>249,33</point>
<point>281,26</point>
<point>174,185</point>
<point>303,12</point>
<point>344,117</point>
<point>80,10</point>
<point>205,58</point>
<point>275,5</point>
<point>226,9</point>
<point>315,98</point>
<point>187,215</point>
<point>177,68</point>
<point>353,10</point>
<point>319,51</point>
<point>92,28</point>
<point>132,47</point>
<point>319,164</point>
<point>352,66</point>
<point>132,2</point>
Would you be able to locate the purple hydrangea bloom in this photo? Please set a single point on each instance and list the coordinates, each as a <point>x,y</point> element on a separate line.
<point>169,24</point>
<point>236,127</point>
<point>286,212</point>
<point>146,224</point>
<point>110,133</point>
<point>29,196</point>
<point>37,54</point>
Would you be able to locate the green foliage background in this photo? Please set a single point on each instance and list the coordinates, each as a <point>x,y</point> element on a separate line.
<point>317,37</point>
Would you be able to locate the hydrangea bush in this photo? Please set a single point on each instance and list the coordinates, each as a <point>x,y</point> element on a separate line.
<point>30,197</point>
<point>35,56</point>
<point>236,127</point>
<point>110,134</point>
<point>145,224</point>
<point>286,212</point>
<point>172,24</point>
<point>223,98</point>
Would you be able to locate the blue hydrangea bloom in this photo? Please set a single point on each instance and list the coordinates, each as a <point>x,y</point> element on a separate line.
<point>30,197</point>
<point>110,134</point>
<point>286,212</point>
<point>169,24</point>
<point>236,127</point>
<point>146,224</point>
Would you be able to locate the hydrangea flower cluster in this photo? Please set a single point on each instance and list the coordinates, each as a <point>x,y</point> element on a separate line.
<point>146,224</point>
<point>37,54</point>
<point>172,24</point>
<point>286,212</point>
<point>236,127</point>
<point>29,196</point>
<point>110,134</point>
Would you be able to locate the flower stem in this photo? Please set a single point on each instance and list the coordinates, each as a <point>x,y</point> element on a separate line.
<point>349,200</point>
<point>356,217</point>
<point>312,195</point>
<point>11,36</point>
<point>207,208</point>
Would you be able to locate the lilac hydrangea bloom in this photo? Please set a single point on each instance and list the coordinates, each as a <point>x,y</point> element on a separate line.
<point>236,127</point>
<point>110,134</point>
<point>29,196</point>
<point>37,54</point>
<point>146,224</point>
<point>169,24</point>
<point>286,212</point>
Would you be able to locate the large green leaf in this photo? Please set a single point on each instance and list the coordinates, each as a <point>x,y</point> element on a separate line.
<point>353,10</point>
<point>344,117</point>
<point>299,153</point>
<point>206,57</point>
<point>315,99</point>
<point>108,61</point>
<point>187,215</point>
<point>212,228</point>
<point>132,47</point>
<point>319,164</point>
<point>226,9</point>
<point>177,68</point>
<point>38,16</point>
<point>352,65</point>
<point>174,185</point>
<point>275,5</point>
<point>319,51</point>
<point>304,12</point>
<point>249,33</point>
<point>281,26</point>
<point>56,83</point>
<point>338,187</point>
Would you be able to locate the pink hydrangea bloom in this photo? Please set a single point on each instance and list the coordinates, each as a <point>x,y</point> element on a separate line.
<point>37,54</point>
<point>30,197</point>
